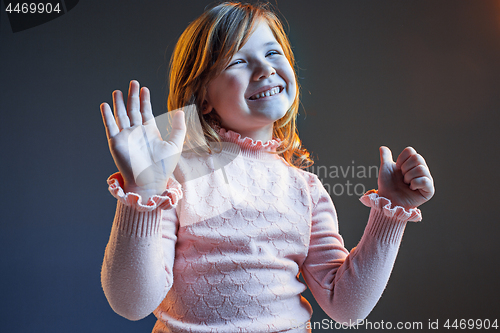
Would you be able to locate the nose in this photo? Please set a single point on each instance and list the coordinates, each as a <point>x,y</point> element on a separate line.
<point>263,70</point>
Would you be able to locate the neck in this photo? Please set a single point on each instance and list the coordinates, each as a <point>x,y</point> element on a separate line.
<point>263,134</point>
<point>246,146</point>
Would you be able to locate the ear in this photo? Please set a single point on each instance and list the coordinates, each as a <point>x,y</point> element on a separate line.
<point>206,107</point>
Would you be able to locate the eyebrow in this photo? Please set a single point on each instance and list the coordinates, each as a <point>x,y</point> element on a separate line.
<point>265,45</point>
<point>271,43</point>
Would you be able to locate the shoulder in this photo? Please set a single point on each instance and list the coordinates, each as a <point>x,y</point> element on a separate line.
<point>311,179</point>
<point>313,185</point>
<point>323,211</point>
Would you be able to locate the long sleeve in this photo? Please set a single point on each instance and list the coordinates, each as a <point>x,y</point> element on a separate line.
<point>137,267</point>
<point>239,238</point>
<point>347,286</point>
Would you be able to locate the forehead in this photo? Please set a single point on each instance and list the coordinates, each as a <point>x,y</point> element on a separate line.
<point>261,36</point>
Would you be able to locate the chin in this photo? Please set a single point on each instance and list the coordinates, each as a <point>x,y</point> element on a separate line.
<point>272,117</point>
<point>272,113</point>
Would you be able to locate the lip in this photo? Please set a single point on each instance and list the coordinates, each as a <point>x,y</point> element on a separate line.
<point>265,88</point>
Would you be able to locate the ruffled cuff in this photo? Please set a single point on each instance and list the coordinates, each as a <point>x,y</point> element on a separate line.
<point>166,200</point>
<point>373,200</point>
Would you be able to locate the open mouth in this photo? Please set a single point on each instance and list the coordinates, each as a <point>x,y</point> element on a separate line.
<point>267,93</point>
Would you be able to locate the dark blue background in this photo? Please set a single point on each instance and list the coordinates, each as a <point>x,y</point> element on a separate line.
<point>397,73</point>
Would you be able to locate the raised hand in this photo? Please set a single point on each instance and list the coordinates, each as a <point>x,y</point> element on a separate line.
<point>408,182</point>
<point>144,160</point>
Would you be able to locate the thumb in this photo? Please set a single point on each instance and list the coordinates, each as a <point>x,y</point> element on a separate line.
<point>385,156</point>
<point>178,129</point>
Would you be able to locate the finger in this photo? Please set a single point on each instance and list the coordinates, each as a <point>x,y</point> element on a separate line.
<point>178,129</point>
<point>134,104</point>
<point>120,111</point>
<point>146,110</point>
<point>424,185</point>
<point>412,161</point>
<point>109,121</point>
<point>405,154</point>
<point>417,172</point>
<point>385,155</point>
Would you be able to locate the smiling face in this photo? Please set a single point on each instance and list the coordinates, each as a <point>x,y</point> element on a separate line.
<point>255,89</point>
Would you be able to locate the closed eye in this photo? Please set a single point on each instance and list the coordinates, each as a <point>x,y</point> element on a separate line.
<point>236,62</point>
<point>271,53</point>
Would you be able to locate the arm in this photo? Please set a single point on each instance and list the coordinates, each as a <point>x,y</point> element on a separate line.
<point>348,286</point>
<point>137,267</point>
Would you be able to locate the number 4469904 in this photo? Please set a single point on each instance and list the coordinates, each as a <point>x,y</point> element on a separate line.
<point>32,8</point>
<point>471,324</point>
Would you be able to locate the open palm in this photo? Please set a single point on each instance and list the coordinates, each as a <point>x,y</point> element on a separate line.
<point>143,158</point>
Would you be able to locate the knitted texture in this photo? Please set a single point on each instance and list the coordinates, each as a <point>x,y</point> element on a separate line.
<point>226,258</point>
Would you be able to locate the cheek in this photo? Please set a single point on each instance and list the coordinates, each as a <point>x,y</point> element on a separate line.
<point>226,90</point>
<point>289,76</point>
<point>292,84</point>
<point>235,84</point>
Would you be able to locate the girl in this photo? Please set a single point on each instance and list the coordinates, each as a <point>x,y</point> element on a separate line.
<point>214,240</point>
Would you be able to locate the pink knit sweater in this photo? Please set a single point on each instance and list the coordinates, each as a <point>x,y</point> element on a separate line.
<point>224,253</point>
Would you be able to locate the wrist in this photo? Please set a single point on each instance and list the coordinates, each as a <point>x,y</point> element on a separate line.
<point>390,208</point>
<point>382,194</point>
<point>395,199</point>
<point>144,192</point>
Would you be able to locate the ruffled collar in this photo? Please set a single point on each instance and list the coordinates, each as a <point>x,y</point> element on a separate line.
<point>248,146</point>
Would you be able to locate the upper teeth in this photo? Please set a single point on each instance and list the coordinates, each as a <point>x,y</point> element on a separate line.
<point>266,93</point>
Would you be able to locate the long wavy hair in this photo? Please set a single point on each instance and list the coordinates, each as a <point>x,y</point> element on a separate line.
<point>204,49</point>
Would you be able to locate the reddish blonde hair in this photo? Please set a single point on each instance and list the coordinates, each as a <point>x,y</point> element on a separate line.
<point>204,50</point>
